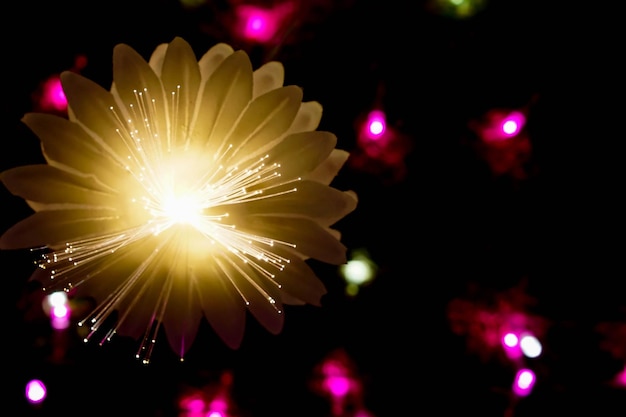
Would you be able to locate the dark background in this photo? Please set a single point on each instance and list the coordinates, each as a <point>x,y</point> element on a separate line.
<point>447,224</point>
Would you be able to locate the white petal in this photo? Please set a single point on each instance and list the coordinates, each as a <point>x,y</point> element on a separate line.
<point>51,228</point>
<point>157,57</point>
<point>308,118</point>
<point>300,153</point>
<point>181,81</point>
<point>68,146</point>
<point>268,77</point>
<point>140,93</point>
<point>309,199</point>
<point>308,236</point>
<point>183,311</point>
<point>262,295</point>
<point>223,98</point>
<point>213,58</point>
<point>95,109</point>
<point>328,169</point>
<point>223,307</point>
<point>47,184</point>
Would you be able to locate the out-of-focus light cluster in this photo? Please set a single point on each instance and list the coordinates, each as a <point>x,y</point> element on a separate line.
<point>336,378</point>
<point>500,326</point>
<point>503,142</point>
<point>381,149</point>
<point>358,271</point>
<point>265,24</point>
<point>456,9</point>
<point>57,307</point>
<point>212,400</point>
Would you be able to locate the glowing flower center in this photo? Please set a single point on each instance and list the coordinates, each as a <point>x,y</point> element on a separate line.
<point>183,209</point>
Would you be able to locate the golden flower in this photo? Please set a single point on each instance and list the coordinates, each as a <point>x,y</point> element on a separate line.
<point>193,188</point>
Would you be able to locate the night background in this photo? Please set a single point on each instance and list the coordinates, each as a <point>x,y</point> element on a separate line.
<point>470,232</point>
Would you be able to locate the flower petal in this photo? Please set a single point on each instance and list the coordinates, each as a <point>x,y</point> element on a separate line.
<point>47,184</point>
<point>53,227</point>
<point>328,169</point>
<point>183,312</point>
<point>223,307</point>
<point>95,109</point>
<point>157,58</point>
<point>308,118</point>
<point>300,153</point>
<point>264,120</point>
<point>181,80</point>
<point>303,199</point>
<point>212,59</point>
<point>308,236</point>
<point>68,146</point>
<point>140,93</point>
<point>268,77</point>
<point>225,95</point>
<point>262,297</point>
<point>298,280</point>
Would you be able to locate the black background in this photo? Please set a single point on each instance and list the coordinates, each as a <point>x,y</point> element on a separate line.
<point>449,222</point>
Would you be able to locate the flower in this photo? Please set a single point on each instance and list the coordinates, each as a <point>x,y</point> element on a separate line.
<point>192,188</point>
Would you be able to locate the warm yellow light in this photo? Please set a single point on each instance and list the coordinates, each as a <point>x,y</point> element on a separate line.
<point>182,209</point>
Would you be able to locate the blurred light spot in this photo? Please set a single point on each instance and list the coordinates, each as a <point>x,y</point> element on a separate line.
<point>501,126</point>
<point>57,307</point>
<point>192,403</point>
<point>620,378</point>
<point>52,95</point>
<point>458,9</point>
<point>510,340</point>
<point>512,124</point>
<point>57,299</point>
<point>375,125</point>
<point>531,346</point>
<point>338,386</point>
<point>261,24</point>
<point>35,391</point>
<point>219,406</point>
<point>358,271</point>
<point>524,382</point>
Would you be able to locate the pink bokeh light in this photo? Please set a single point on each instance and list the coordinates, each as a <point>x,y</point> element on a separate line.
<point>375,125</point>
<point>261,24</point>
<point>501,126</point>
<point>620,378</point>
<point>35,391</point>
<point>524,382</point>
<point>338,386</point>
<point>511,345</point>
<point>52,95</point>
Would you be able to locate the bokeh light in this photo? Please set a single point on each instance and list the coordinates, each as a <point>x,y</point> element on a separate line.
<point>530,345</point>
<point>524,382</point>
<point>53,97</point>
<point>261,24</point>
<point>375,125</point>
<point>57,306</point>
<point>457,9</point>
<point>35,391</point>
<point>358,271</point>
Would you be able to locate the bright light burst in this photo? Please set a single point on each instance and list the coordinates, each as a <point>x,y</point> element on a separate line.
<point>193,188</point>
